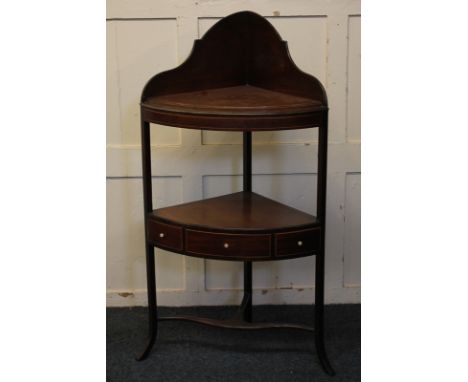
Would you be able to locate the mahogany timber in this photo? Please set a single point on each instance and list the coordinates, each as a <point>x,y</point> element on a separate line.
<point>234,100</point>
<point>243,226</point>
<point>227,245</point>
<point>297,243</point>
<point>239,76</point>
<point>165,235</point>
<point>241,212</point>
<point>234,122</point>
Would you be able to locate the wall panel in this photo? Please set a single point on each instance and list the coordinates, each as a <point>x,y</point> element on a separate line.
<point>295,190</point>
<point>147,37</point>
<point>354,79</point>
<point>144,48</point>
<point>125,237</point>
<point>112,87</point>
<point>352,236</point>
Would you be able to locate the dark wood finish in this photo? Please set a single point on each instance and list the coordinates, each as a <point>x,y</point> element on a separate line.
<point>241,212</point>
<point>234,123</point>
<point>243,48</point>
<point>246,304</point>
<point>239,100</point>
<point>237,324</point>
<point>247,161</point>
<point>149,249</point>
<point>232,219</point>
<point>320,258</point>
<point>252,85</point>
<point>303,242</point>
<point>227,246</point>
<point>165,235</point>
<point>238,77</point>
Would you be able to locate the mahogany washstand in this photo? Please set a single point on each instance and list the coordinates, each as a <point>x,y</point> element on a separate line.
<point>238,77</point>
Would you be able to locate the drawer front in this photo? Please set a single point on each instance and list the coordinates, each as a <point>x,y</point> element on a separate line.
<point>298,242</point>
<point>227,245</point>
<point>165,235</point>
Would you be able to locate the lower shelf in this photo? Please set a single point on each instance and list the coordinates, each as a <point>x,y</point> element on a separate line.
<point>242,226</point>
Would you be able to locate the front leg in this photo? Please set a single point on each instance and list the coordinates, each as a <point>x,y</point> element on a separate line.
<point>152,306</point>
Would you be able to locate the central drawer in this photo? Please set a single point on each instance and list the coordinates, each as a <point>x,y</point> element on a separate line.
<point>222,245</point>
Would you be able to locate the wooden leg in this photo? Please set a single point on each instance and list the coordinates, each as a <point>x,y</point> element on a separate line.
<point>247,300</point>
<point>150,266</point>
<point>319,305</point>
<point>152,305</point>
<point>246,306</point>
<point>244,312</point>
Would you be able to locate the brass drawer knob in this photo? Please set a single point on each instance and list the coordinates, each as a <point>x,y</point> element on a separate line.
<point>161,235</point>
<point>226,245</point>
<point>299,243</point>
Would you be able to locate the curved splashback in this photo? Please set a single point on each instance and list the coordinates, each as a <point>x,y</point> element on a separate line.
<point>243,48</point>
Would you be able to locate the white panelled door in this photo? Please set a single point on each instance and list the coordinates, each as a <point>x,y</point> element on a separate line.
<point>148,37</point>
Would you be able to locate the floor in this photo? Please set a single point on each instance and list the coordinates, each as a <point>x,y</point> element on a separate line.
<point>189,352</point>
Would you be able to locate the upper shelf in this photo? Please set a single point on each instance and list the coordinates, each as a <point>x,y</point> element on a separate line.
<point>234,100</point>
<point>239,76</point>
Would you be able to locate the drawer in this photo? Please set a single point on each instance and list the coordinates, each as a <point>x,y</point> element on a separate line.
<point>234,246</point>
<point>297,242</point>
<point>165,235</point>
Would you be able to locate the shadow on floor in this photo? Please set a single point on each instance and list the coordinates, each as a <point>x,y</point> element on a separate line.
<point>190,352</point>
